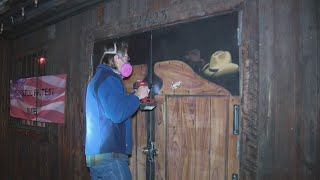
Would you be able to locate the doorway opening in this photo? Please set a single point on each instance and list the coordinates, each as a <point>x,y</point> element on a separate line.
<point>208,51</point>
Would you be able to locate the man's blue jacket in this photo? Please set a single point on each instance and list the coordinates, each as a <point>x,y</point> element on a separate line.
<point>108,114</point>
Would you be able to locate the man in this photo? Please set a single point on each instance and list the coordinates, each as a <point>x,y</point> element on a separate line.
<point>108,116</point>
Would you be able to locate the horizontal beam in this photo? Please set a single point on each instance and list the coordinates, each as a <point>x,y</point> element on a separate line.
<point>44,15</point>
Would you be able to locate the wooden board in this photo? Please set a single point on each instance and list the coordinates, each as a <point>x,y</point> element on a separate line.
<point>160,137</point>
<point>138,160</point>
<point>180,138</point>
<point>192,136</point>
<point>233,141</point>
<point>179,78</point>
<point>194,125</point>
<point>218,140</point>
<point>139,129</point>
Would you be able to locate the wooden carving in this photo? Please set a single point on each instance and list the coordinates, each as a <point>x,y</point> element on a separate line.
<point>179,79</point>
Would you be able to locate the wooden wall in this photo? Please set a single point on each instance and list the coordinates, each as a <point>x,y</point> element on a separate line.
<point>61,155</point>
<point>4,107</point>
<point>279,86</point>
<point>288,93</point>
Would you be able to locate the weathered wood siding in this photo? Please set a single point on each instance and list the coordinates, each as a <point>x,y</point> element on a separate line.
<point>288,93</point>
<point>280,84</point>
<point>61,156</point>
<point>69,45</point>
<point>4,107</point>
<point>249,93</point>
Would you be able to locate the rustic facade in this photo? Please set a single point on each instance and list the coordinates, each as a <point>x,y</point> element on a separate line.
<point>280,98</point>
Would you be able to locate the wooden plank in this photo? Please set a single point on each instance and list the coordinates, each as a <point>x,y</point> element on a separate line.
<point>5,143</point>
<point>266,67</point>
<point>137,160</point>
<point>202,142</point>
<point>188,133</point>
<point>147,14</point>
<point>160,137</point>
<point>139,131</point>
<point>249,86</point>
<point>233,140</point>
<point>306,76</point>
<point>286,54</point>
<point>184,82</point>
<point>133,158</point>
<point>317,166</point>
<point>140,144</point>
<point>218,147</point>
<point>181,137</point>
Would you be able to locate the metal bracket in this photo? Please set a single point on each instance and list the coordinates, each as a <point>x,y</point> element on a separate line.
<point>239,29</point>
<point>236,119</point>
<point>150,151</point>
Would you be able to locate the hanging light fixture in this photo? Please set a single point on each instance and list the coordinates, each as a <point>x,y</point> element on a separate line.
<point>42,60</point>
<point>1,30</point>
<point>36,3</point>
<point>22,11</point>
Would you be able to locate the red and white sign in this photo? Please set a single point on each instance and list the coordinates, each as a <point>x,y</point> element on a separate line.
<point>39,98</point>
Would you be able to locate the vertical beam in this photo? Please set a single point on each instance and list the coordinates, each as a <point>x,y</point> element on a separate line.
<point>266,109</point>
<point>249,54</point>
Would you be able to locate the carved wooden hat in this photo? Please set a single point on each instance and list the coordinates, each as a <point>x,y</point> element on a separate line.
<point>220,64</point>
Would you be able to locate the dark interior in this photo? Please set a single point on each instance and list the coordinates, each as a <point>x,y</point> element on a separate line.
<point>173,42</point>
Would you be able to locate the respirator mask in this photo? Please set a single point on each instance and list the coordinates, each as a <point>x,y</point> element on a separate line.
<point>126,69</point>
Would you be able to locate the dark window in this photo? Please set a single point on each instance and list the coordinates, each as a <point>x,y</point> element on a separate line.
<point>26,66</point>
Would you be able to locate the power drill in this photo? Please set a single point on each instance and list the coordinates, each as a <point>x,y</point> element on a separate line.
<point>146,104</point>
